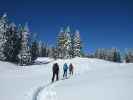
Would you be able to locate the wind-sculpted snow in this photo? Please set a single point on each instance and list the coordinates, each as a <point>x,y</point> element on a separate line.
<point>93,79</point>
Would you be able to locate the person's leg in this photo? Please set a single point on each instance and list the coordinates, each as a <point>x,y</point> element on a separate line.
<point>64,74</point>
<point>57,76</point>
<point>53,76</point>
<point>72,72</point>
<point>69,71</point>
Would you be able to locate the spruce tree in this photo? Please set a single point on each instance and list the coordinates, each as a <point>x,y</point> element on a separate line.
<point>72,46</point>
<point>34,50</point>
<point>3,36</point>
<point>12,44</point>
<point>45,50</point>
<point>24,55</point>
<point>40,49</point>
<point>34,47</point>
<point>129,56</point>
<point>77,44</point>
<point>61,44</point>
<point>67,44</point>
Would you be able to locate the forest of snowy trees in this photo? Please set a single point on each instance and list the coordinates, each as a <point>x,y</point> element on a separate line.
<point>108,54</point>
<point>19,45</point>
<point>68,44</point>
<point>16,44</point>
<point>112,54</point>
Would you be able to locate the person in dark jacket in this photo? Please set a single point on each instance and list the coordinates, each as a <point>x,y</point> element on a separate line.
<point>55,72</point>
<point>65,68</point>
<point>71,69</point>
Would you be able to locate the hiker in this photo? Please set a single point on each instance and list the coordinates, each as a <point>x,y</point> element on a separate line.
<point>71,69</point>
<point>55,72</point>
<point>65,68</point>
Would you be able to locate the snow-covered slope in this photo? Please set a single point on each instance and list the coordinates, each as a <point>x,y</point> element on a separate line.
<point>93,79</point>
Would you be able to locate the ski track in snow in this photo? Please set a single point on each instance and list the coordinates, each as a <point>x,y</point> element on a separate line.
<point>39,89</point>
<point>49,94</point>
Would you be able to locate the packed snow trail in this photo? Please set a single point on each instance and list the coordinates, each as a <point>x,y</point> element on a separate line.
<point>39,89</point>
<point>46,90</point>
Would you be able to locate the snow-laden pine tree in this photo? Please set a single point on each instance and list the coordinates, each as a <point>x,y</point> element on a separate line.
<point>12,44</point>
<point>64,44</point>
<point>77,44</point>
<point>34,47</point>
<point>54,52</point>
<point>98,53</point>
<point>67,44</point>
<point>45,50</point>
<point>61,44</point>
<point>24,55</point>
<point>129,56</point>
<point>72,46</point>
<point>34,50</point>
<point>40,47</point>
<point>3,38</point>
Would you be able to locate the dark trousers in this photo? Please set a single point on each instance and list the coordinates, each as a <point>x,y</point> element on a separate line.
<point>65,73</point>
<point>55,74</point>
<point>71,72</point>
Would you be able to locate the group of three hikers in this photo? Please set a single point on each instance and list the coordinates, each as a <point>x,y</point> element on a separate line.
<point>65,68</point>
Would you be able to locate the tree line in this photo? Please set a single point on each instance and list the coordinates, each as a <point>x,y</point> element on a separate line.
<point>113,54</point>
<point>19,45</point>
<point>16,43</point>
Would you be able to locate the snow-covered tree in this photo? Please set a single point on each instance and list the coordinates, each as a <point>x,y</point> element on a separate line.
<point>34,50</point>
<point>61,43</point>
<point>71,52</point>
<point>3,37</point>
<point>129,56</point>
<point>12,44</point>
<point>40,47</point>
<point>67,44</point>
<point>34,47</point>
<point>24,55</point>
<point>45,50</point>
<point>77,44</point>
<point>54,53</point>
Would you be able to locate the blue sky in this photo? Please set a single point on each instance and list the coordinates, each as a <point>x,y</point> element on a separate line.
<point>102,23</point>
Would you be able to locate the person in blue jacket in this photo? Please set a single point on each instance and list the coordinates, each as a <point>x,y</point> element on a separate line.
<point>65,68</point>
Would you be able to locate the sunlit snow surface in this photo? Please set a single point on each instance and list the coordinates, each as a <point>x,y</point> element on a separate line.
<point>93,79</point>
